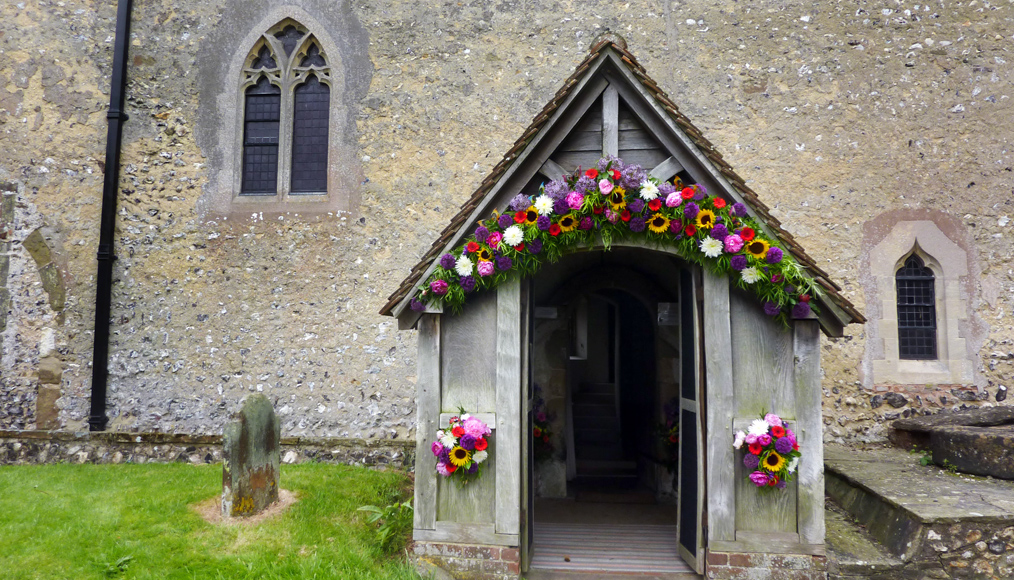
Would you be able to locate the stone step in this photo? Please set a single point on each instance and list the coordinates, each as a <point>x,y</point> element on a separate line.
<point>852,552</point>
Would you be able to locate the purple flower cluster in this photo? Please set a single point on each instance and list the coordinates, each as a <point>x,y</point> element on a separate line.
<point>447,261</point>
<point>738,210</point>
<point>675,226</point>
<point>586,223</point>
<point>771,308</point>
<point>636,206</point>
<point>467,284</point>
<point>520,202</point>
<point>467,441</point>
<point>783,445</point>
<point>637,224</point>
<point>556,189</point>
<point>690,210</point>
<point>719,232</point>
<point>665,189</point>
<point>612,162</point>
<point>481,234</point>
<point>801,310</point>
<point>632,176</point>
<point>417,306</point>
<point>535,246</point>
<point>503,263</point>
<point>773,256</point>
<point>586,184</point>
<point>738,262</point>
<point>543,222</point>
<point>702,191</point>
<point>751,461</point>
<point>561,206</point>
<point>505,220</point>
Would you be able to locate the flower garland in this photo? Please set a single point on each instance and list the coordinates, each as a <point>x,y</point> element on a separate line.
<point>461,448</point>
<point>772,452</point>
<point>614,201</point>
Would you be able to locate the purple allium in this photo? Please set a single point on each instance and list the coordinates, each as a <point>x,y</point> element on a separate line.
<point>632,176</point>
<point>467,283</point>
<point>586,223</point>
<point>535,246</point>
<point>468,442</point>
<point>719,232</point>
<point>801,310</point>
<point>636,206</point>
<point>585,184</point>
<point>690,210</point>
<point>481,234</point>
<point>773,256</point>
<point>612,162</point>
<point>556,189</point>
<point>520,202</point>
<point>416,305</point>
<point>700,194</point>
<point>771,308</point>
<point>543,222</point>
<point>438,287</point>
<point>503,263</point>
<point>783,445</point>
<point>782,484</point>
<point>751,461</point>
<point>473,469</point>
<point>505,220</point>
<point>637,224</point>
<point>738,209</point>
<point>445,455</point>
<point>665,189</point>
<point>738,262</point>
<point>447,261</point>
<point>675,226</point>
<point>561,206</point>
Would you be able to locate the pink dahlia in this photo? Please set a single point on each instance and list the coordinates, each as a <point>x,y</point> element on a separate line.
<point>485,268</point>
<point>575,200</point>
<point>673,199</point>
<point>438,287</point>
<point>733,243</point>
<point>772,419</point>
<point>759,478</point>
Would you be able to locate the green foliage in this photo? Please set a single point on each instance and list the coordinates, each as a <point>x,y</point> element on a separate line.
<point>394,524</point>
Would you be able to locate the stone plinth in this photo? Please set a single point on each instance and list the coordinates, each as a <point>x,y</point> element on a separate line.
<point>250,445</point>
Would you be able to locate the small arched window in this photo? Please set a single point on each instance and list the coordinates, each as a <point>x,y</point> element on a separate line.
<point>917,321</point>
<point>286,114</point>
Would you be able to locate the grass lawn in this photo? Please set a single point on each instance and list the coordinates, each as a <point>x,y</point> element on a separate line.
<point>135,521</point>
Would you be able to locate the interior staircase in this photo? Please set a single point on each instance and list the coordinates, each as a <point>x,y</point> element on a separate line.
<point>598,442</point>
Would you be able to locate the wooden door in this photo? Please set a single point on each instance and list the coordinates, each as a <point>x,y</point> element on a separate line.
<point>691,480</point>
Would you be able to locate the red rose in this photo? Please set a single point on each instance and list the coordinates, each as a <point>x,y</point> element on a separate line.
<point>592,173</point>
<point>805,297</point>
<point>778,431</point>
<point>719,202</point>
<point>747,234</point>
<point>625,215</point>
<point>690,231</point>
<point>599,209</point>
<point>616,174</point>
<point>458,431</point>
<point>520,247</point>
<point>756,448</point>
<point>472,247</point>
<point>451,468</point>
<point>520,217</point>
<point>481,444</point>
<point>554,230</point>
<point>688,193</point>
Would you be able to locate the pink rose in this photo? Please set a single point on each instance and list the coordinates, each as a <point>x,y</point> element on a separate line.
<point>485,268</point>
<point>773,420</point>
<point>673,200</point>
<point>574,200</point>
<point>764,440</point>
<point>759,478</point>
<point>605,186</point>
<point>438,287</point>
<point>733,243</point>
<point>494,239</point>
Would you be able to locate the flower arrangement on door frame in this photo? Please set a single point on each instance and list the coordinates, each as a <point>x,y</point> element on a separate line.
<point>461,448</point>
<point>772,452</point>
<point>614,201</point>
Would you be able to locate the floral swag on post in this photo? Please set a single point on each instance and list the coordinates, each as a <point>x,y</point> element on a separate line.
<point>461,448</point>
<point>611,202</point>
<point>772,452</point>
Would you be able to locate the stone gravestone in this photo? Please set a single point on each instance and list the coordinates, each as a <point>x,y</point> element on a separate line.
<point>250,445</point>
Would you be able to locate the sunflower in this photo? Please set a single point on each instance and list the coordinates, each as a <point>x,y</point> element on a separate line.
<point>757,248</point>
<point>568,223</point>
<point>705,219</point>
<point>658,224</point>
<point>485,255</point>
<point>531,215</point>
<point>617,199</point>
<point>460,456</point>
<point>772,462</point>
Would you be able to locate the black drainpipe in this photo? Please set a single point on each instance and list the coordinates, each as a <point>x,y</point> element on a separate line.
<point>104,282</point>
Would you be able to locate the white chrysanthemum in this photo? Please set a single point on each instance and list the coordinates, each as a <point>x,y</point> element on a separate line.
<point>711,247</point>
<point>751,275</point>
<point>448,440</point>
<point>649,191</point>
<point>513,235</point>
<point>463,266</point>
<point>544,205</point>
<point>793,464</point>
<point>465,417</point>
<point>758,427</point>
<point>479,456</point>
<point>740,437</point>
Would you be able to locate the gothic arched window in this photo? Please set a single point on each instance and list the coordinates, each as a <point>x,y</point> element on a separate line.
<point>917,320</point>
<point>286,114</point>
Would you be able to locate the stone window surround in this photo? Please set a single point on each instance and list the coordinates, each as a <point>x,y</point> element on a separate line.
<point>949,263</point>
<point>287,76</point>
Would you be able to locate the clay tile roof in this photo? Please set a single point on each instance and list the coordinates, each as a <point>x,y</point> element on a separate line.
<point>759,209</point>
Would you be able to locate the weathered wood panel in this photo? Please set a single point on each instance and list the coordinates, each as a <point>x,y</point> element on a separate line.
<point>610,121</point>
<point>761,361</point>
<point>427,417</point>
<point>717,338</point>
<point>646,158</point>
<point>666,169</point>
<point>633,139</point>
<point>806,346</point>
<point>772,512</point>
<point>508,408</point>
<point>466,534</point>
<point>473,503</point>
<point>582,141</point>
<point>468,357</point>
<point>570,161</point>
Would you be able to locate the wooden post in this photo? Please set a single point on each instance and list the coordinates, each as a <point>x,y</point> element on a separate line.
<point>720,405</point>
<point>428,416</point>
<point>610,121</point>
<point>806,350</point>
<point>508,408</point>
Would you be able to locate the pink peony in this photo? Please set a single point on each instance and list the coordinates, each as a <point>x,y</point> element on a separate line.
<point>485,268</point>
<point>674,199</point>
<point>494,239</point>
<point>773,419</point>
<point>436,448</point>
<point>759,478</point>
<point>574,200</point>
<point>764,440</point>
<point>750,439</point>
<point>438,287</point>
<point>733,244</point>
<point>442,469</point>
<point>605,186</point>
<point>476,428</point>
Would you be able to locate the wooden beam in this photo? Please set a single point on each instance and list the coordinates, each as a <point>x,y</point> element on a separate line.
<point>610,121</point>
<point>810,478</point>
<point>666,170</point>
<point>552,169</point>
<point>465,533</point>
<point>717,338</point>
<point>427,416</point>
<point>508,408</point>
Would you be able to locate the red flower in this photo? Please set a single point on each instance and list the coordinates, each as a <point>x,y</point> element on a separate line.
<point>719,202</point>
<point>690,231</point>
<point>451,468</point>
<point>673,439</point>
<point>537,432</point>
<point>545,438</point>
<point>520,217</point>
<point>597,210</point>
<point>655,204</point>
<point>592,173</point>
<point>554,230</point>
<point>481,444</point>
<point>747,234</point>
<point>778,431</point>
<point>520,247</point>
<point>472,247</point>
<point>688,193</point>
<point>805,297</point>
<point>625,215</point>
<point>616,174</point>
<point>795,446</point>
<point>458,431</point>
<point>773,481</point>
<point>756,448</point>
